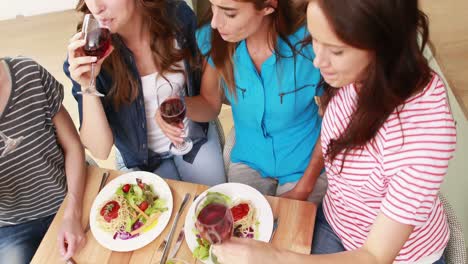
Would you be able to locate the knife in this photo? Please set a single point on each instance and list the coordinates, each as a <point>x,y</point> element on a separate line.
<point>275,226</point>
<point>174,225</point>
<point>178,243</point>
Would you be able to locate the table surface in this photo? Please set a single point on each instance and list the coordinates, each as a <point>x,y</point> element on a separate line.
<point>294,231</point>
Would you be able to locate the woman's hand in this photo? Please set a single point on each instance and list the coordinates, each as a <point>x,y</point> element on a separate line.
<point>71,237</point>
<point>174,133</point>
<point>80,64</point>
<point>246,251</point>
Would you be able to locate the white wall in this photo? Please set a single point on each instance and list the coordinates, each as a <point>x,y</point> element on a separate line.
<point>11,8</point>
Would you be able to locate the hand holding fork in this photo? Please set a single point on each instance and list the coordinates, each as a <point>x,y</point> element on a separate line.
<point>105,177</point>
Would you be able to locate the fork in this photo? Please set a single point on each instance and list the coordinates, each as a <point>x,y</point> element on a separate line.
<point>163,244</point>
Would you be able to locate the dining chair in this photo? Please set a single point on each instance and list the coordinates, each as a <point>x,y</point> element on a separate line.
<point>219,129</point>
<point>229,142</point>
<point>455,252</point>
<point>90,161</point>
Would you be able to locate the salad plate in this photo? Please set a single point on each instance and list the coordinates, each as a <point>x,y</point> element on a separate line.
<point>252,215</point>
<point>131,211</point>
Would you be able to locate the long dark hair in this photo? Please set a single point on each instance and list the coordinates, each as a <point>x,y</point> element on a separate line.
<point>389,29</point>
<point>287,18</point>
<point>163,33</point>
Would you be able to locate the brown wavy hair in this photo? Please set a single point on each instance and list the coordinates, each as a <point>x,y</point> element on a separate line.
<point>287,18</point>
<point>389,29</point>
<point>163,32</point>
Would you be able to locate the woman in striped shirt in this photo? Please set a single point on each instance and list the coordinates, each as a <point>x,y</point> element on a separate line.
<point>41,161</point>
<point>387,137</point>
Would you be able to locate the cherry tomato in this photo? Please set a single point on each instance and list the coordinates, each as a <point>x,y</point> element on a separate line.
<point>126,188</point>
<point>143,206</point>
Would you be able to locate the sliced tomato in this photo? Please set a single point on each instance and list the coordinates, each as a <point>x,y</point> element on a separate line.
<point>143,206</point>
<point>240,211</point>
<point>110,210</point>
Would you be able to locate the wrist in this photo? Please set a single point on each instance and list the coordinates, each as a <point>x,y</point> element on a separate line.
<point>303,187</point>
<point>72,213</point>
<point>73,208</point>
<point>280,255</point>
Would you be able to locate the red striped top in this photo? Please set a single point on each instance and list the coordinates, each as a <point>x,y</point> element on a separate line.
<point>400,173</point>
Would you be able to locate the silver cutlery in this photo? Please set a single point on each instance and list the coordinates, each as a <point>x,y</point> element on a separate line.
<point>275,226</point>
<point>163,244</point>
<point>180,239</point>
<point>105,177</point>
<point>174,225</point>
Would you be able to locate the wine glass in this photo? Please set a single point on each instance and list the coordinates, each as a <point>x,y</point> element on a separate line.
<point>214,218</point>
<point>98,38</point>
<point>10,143</point>
<point>172,108</point>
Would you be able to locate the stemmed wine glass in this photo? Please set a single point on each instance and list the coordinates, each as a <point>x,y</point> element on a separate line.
<point>10,143</point>
<point>214,218</point>
<point>172,108</point>
<point>98,38</point>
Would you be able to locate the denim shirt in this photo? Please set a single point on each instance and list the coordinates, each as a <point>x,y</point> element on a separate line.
<point>128,123</point>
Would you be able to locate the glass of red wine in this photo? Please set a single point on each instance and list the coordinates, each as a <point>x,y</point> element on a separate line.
<point>172,109</point>
<point>214,218</point>
<point>98,38</point>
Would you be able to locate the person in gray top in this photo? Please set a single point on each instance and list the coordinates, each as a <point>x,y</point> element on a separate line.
<point>40,154</point>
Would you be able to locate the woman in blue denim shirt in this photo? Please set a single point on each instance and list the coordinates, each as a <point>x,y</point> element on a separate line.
<point>152,43</point>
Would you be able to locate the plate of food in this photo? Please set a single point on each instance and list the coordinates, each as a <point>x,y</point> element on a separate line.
<point>131,211</point>
<point>251,215</point>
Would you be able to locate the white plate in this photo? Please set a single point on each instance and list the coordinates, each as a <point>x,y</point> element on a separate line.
<point>237,191</point>
<point>160,187</point>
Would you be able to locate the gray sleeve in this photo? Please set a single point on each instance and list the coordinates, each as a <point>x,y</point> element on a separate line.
<point>53,91</point>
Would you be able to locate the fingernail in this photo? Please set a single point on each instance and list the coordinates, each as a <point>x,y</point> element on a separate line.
<point>94,59</point>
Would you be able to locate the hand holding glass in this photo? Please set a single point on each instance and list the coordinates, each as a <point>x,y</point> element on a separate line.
<point>214,218</point>
<point>172,109</point>
<point>98,38</point>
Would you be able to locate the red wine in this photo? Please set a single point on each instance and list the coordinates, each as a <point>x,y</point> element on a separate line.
<point>173,110</point>
<point>215,223</point>
<point>97,42</point>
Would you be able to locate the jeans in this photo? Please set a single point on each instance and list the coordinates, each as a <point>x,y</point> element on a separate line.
<point>18,243</point>
<point>242,173</point>
<point>207,168</point>
<point>325,241</point>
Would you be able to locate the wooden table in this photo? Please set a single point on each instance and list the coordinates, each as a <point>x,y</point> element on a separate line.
<point>294,231</point>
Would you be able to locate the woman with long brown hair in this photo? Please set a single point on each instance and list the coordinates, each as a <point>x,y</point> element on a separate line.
<point>387,138</point>
<point>153,44</point>
<point>256,59</point>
